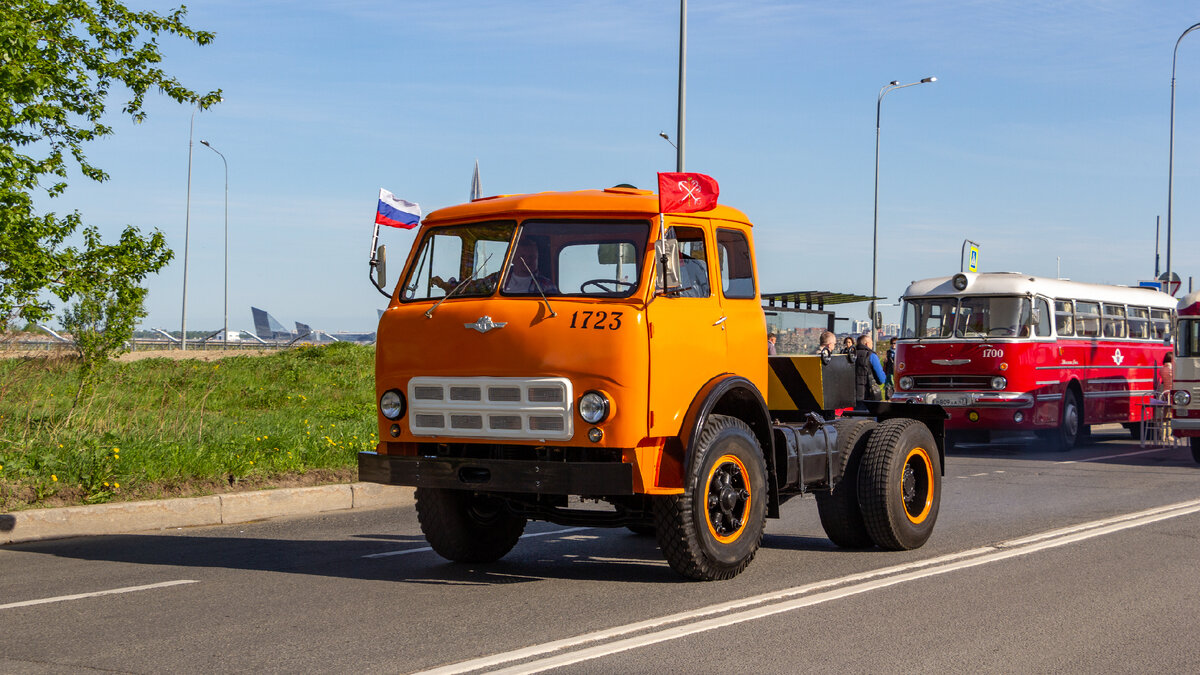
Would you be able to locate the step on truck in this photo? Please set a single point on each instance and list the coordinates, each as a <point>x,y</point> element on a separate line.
<point>583,359</point>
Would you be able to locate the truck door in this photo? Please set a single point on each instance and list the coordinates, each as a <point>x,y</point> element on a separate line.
<point>745,324</point>
<point>687,332</point>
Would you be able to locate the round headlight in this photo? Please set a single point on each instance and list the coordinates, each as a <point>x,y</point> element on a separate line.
<point>1181,397</point>
<point>593,407</point>
<point>999,382</point>
<point>960,282</point>
<point>391,404</point>
<point>906,382</point>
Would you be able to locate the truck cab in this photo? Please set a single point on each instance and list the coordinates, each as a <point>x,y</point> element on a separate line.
<point>543,349</point>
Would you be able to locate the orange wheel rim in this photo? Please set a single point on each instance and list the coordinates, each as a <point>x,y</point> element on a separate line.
<point>727,499</point>
<point>916,485</point>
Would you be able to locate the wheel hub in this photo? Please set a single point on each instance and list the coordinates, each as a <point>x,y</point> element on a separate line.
<point>727,499</point>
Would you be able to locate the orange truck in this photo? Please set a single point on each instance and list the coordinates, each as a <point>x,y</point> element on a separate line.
<point>582,359</point>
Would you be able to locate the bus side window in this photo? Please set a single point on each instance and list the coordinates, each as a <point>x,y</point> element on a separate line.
<point>1042,328</point>
<point>1064,319</point>
<point>1114,320</point>
<point>1139,323</point>
<point>1160,323</point>
<point>1087,319</point>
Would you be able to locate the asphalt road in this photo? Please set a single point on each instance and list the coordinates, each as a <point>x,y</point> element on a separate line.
<point>1079,562</point>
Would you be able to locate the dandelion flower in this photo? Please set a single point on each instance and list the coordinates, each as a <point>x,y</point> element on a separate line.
<point>54,478</point>
<point>117,485</point>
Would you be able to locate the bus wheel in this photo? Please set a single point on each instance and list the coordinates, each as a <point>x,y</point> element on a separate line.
<point>467,527</point>
<point>713,529</point>
<point>900,484</point>
<point>1195,442</point>
<point>1065,436</point>
<point>840,514</point>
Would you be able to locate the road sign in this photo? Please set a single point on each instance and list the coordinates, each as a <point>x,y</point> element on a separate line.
<point>1156,285</point>
<point>1175,282</point>
<point>973,259</point>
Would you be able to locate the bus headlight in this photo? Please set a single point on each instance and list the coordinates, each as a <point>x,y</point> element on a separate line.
<point>906,383</point>
<point>999,382</point>
<point>1181,397</point>
<point>593,407</point>
<point>391,404</point>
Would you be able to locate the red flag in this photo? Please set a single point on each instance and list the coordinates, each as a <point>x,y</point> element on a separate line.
<point>686,192</point>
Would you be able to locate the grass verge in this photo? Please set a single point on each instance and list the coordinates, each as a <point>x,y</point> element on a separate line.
<point>160,427</point>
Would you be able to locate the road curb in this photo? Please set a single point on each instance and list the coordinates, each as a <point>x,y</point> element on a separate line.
<point>238,507</point>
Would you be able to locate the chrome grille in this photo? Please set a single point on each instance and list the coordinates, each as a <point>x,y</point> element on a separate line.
<point>501,408</point>
<point>951,382</point>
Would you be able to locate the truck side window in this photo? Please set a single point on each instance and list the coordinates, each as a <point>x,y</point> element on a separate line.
<point>737,269</point>
<point>693,263</point>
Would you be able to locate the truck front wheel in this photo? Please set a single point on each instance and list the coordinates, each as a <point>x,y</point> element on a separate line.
<point>900,484</point>
<point>713,529</point>
<point>467,527</point>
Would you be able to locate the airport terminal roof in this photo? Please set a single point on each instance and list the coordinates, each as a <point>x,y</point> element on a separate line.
<point>810,300</point>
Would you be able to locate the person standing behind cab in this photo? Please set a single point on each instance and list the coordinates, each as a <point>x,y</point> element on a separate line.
<point>889,370</point>
<point>827,345</point>
<point>868,373</point>
<point>771,351</point>
<point>848,345</point>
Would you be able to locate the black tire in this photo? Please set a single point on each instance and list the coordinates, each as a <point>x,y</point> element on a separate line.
<point>1195,442</point>
<point>1070,427</point>
<point>713,529</point>
<point>1134,429</point>
<point>467,527</point>
<point>900,484</point>
<point>840,514</point>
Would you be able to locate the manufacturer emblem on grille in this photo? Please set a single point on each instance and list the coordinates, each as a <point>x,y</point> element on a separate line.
<point>484,324</point>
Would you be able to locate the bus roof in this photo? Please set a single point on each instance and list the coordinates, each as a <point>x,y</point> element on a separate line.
<point>1015,283</point>
<point>607,203</point>
<point>1189,305</point>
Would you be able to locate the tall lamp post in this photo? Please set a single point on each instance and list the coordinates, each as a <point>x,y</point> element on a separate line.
<point>187,229</point>
<point>225,330</point>
<point>1171,154</point>
<point>894,84</point>
<point>682,86</point>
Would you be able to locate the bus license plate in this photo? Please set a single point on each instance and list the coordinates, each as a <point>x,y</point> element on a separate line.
<point>952,401</point>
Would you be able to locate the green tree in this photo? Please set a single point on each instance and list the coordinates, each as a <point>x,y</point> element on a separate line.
<point>58,62</point>
<point>106,311</point>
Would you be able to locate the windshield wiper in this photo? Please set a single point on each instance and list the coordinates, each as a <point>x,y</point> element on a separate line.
<point>464,282</point>
<point>538,286</point>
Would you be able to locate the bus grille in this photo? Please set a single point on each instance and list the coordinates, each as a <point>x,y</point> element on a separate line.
<point>510,408</point>
<point>951,382</point>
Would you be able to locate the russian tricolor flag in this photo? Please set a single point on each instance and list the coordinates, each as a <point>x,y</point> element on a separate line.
<point>396,212</point>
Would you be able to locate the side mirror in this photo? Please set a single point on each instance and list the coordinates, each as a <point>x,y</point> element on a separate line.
<point>670,273</point>
<point>381,266</point>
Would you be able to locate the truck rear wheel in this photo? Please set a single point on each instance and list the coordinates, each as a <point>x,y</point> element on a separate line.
<point>840,514</point>
<point>465,526</point>
<point>900,484</point>
<point>713,529</point>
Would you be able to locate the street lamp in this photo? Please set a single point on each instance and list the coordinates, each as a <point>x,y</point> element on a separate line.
<point>894,84</point>
<point>1171,154</point>
<point>226,325</point>
<point>682,112</point>
<point>187,229</point>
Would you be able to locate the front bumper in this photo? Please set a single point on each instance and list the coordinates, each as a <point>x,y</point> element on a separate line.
<point>498,475</point>
<point>969,399</point>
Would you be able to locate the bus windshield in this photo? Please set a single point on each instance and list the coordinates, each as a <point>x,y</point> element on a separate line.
<point>971,316</point>
<point>1188,342</point>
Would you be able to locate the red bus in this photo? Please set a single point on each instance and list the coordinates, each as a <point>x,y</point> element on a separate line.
<point>1185,394</point>
<point>1011,352</point>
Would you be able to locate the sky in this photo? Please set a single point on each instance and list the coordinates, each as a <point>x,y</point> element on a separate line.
<point>1045,137</point>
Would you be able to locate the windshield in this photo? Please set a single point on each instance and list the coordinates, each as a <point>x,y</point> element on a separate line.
<point>1188,342</point>
<point>967,317</point>
<point>552,257</point>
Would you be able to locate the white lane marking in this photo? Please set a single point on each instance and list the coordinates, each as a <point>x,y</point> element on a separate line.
<point>861,583</point>
<point>81,596</point>
<point>1124,454</point>
<point>423,549</point>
